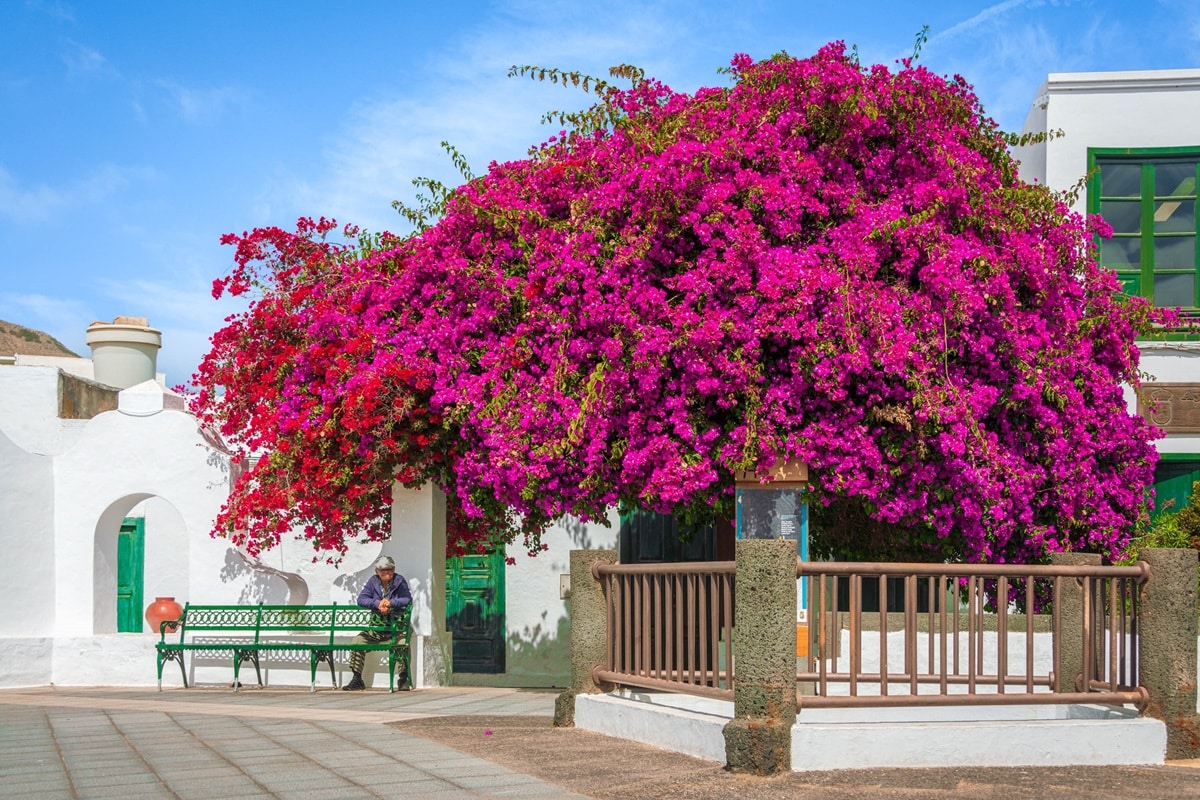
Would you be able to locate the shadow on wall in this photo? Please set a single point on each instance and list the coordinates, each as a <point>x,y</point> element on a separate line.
<point>262,583</point>
<point>353,582</point>
<point>538,652</point>
<point>579,533</point>
<point>536,657</point>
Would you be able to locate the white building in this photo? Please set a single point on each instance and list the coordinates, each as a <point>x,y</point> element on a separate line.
<point>109,490</point>
<point>1131,142</point>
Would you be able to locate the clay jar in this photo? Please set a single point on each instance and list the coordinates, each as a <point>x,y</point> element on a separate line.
<point>163,608</point>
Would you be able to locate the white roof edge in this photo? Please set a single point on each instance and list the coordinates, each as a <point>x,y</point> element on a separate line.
<point>1133,80</point>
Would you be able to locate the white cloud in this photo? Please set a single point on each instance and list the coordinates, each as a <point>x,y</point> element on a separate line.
<point>26,204</point>
<point>54,8</point>
<point>202,106</point>
<point>471,103</point>
<point>967,26</point>
<point>83,61</point>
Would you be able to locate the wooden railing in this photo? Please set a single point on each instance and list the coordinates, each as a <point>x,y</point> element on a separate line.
<point>669,626</point>
<point>959,641</point>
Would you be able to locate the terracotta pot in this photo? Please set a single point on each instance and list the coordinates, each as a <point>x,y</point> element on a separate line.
<point>163,608</point>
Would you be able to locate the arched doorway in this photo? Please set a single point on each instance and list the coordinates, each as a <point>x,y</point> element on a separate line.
<point>141,552</point>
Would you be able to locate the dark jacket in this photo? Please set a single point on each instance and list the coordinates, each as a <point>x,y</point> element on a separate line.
<point>374,591</point>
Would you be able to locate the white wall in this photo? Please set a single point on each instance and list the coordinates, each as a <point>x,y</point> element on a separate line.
<point>418,545</point>
<point>29,410</point>
<point>538,621</point>
<point>27,539</point>
<point>119,462</point>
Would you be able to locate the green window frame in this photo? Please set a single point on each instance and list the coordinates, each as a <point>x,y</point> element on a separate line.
<point>1149,197</point>
<point>1173,479</point>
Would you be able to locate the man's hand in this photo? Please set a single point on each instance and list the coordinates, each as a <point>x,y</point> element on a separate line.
<point>385,606</point>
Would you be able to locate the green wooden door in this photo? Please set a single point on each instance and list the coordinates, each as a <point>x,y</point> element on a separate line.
<point>475,611</point>
<point>131,556</point>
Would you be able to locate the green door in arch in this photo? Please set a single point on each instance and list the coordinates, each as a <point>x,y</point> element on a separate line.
<point>1173,479</point>
<point>131,556</point>
<point>475,611</point>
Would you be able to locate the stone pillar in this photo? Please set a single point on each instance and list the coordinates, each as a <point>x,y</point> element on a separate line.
<point>1071,600</point>
<point>1168,646</point>
<point>759,738</point>
<point>589,629</point>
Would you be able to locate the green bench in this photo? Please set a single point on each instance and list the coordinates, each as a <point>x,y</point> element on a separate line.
<point>247,631</point>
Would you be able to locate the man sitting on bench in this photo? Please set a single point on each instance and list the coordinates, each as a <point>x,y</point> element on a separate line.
<point>386,593</point>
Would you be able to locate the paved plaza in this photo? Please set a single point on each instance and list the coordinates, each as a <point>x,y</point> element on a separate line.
<point>209,742</point>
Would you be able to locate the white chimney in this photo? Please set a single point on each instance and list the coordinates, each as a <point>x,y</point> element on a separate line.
<point>124,351</point>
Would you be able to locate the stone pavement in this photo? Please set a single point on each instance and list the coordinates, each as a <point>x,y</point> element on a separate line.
<point>211,743</point>
<point>208,742</point>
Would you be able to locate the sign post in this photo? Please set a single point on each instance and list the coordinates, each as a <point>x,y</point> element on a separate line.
<point>774,507</point>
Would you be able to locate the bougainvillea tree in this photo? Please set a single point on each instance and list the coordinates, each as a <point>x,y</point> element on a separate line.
<point>820,261</point>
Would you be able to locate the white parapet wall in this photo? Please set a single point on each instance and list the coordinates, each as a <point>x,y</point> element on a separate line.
<point>825,739</point>
<point>689,725</point>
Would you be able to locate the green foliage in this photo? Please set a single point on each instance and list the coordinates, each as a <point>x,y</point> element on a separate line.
<point>431,203</point>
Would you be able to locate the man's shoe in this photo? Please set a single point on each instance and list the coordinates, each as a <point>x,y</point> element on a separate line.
<point>355,685</point>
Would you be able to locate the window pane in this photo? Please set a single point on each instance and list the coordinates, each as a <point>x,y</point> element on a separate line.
<point>1174,290</point>
<point>1174,252</point>
<point>1175,216</point>
<point>1120,180</point>
<point>1175,180</point>
<point>1116,252</point>
<point>1131,282</point>
<point>1125,216</point>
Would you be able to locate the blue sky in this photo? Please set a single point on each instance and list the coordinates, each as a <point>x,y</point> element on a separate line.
<point>134,134</point>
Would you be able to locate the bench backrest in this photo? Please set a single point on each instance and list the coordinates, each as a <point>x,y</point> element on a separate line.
<point>262,618</point>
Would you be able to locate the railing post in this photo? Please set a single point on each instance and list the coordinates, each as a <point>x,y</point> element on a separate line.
<point>589,629</point>
<point>759,738</point>
<point>1070,636</point>
<point>1167,654</point>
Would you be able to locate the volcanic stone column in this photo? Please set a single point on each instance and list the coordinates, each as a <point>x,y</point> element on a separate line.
<point>759,738</point>
<point>1168,646</point>
<point>589,629</point>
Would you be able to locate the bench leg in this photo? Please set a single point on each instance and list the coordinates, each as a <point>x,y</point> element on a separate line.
<point>316,656</point>
<point>171,655</point>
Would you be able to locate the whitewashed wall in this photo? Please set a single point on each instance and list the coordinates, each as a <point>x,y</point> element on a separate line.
<point>27,539</point>
<point>29,411</point>
<point>537,619</point>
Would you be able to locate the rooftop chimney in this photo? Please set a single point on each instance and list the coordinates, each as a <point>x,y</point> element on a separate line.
<point>124,351</point>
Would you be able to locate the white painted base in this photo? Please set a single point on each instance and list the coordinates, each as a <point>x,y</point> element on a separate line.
<point>1122,738</point>
<point>1008,736</point>
<point>128,659</point>
<point>669,722</point>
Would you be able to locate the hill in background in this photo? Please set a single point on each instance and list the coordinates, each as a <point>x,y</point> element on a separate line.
<point>16,339</point>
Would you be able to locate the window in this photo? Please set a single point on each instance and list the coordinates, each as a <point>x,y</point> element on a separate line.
<point>1173,479</point>
<point>1149,198</point>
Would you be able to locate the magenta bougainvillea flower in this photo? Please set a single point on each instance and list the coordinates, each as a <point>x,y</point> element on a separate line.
<point>820,261</point>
